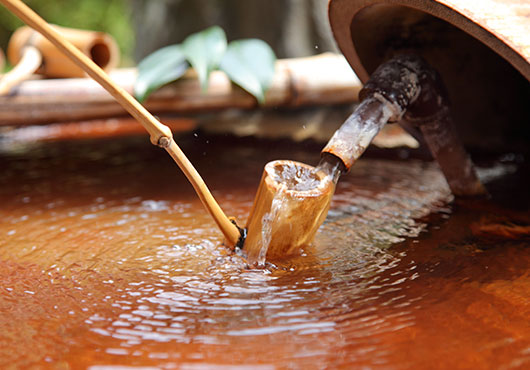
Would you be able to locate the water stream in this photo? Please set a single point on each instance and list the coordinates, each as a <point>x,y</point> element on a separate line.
<point>278,207</point>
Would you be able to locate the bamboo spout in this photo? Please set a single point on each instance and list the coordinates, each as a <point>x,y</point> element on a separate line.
<point>29,63</point>
<point>160,134</point>
<point>291,203</point>
<point>31,53</point>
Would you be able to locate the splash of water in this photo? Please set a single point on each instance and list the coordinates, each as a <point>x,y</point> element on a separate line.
<point>279,205</point>
<point>294,177</point>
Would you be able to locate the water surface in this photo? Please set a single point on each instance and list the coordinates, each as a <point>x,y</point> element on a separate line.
<point>108,258</point>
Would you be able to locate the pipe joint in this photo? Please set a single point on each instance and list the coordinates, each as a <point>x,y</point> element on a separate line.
<point>397,81</point>
<point>407,87</point>
<point>410,83</point>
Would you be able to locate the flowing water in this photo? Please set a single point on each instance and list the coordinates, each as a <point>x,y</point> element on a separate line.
<point>295,177</point>
<point>331,167</point>
<point>107,259</point>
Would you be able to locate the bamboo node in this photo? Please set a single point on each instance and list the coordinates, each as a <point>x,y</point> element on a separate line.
<point>164,142</point>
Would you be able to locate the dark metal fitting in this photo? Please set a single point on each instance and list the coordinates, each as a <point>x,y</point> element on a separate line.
<point>409,82</point>
<point>164,142</point>
<point>396,80</point>
<point>242,234</point>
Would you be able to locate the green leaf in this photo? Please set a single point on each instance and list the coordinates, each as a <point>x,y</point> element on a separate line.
<point>159,68</point>
<point>250,64</point>
<point>204,51</point>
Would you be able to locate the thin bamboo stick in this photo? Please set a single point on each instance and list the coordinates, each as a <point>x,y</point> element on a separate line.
<point>159,134</point>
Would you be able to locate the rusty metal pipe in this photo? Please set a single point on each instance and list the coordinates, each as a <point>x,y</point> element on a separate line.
<point>351,140</point>
<point>406,87</point>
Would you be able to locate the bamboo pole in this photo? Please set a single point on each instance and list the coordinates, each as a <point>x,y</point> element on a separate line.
<point>159,134</point>
<point>321,80</point>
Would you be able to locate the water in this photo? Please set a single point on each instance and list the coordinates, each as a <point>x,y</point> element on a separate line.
<point>331,166</point>
<point>295,177</point>
<point>108,259</point>
<point>279,206</point>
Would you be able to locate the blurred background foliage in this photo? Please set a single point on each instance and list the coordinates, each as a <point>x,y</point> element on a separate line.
<point>112,16</point>
<point>293,28</point>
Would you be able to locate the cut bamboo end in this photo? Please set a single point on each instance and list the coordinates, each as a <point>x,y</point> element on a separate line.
<point>100,47</point>
<point>286,213</point>
<point>28,64</point>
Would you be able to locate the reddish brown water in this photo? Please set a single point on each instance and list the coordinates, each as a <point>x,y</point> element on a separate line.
<point>108,258</point>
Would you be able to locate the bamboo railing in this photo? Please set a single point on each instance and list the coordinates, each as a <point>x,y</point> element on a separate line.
<point>321,80</point>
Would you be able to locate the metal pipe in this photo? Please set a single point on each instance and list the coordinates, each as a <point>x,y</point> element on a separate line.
<point>407,88</point>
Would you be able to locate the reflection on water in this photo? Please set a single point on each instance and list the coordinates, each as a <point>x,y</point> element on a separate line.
<point>107,258</point>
